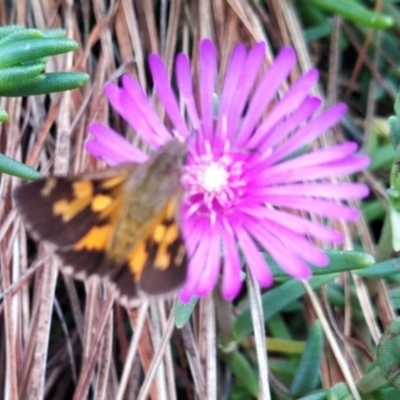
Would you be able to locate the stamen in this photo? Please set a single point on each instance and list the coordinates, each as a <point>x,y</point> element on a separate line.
<point>214,181</point>
<point>214,178</point>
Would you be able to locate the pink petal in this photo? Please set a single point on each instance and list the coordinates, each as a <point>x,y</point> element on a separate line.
<point>111,147</point>
<point>297,224</point>
<point>280,252</point>
<point>292,122</point>
<point>167,96</point>
<point>185,85</point>
<point>296,244</point>
<point>208,74</point>
<point>231,278</point>
<point>331,169</point>
<point>141,114</point>
<point>211,264</point>
<point>250,70</point>
<point>199,243</point>
<point>265,91</point>
<point>255,261</point>
<point>310,132</point>
<point>229,91</point>
<point>316,206</point>
<point>290,101</point>
<point>324,190</point>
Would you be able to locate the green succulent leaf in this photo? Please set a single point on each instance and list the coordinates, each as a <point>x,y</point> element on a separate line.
<point>16,168</point>
<point>22,51</point>
<point>388,353</point>
<point>20,76</point>
<point>51,83</point>
<point>183,312</point>
<point>307,373</point>
<point>354,11</point>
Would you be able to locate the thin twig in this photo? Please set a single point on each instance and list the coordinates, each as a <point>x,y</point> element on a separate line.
<point>332,341</point>
<point>259,336</point>
<point>133,349</point>
<point>159,354</point>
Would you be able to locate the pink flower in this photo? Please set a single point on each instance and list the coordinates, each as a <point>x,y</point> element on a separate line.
<point>250,171</point>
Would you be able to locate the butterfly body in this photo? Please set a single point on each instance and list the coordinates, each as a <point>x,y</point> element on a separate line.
<point>146,194</point>
<point>121,223</point>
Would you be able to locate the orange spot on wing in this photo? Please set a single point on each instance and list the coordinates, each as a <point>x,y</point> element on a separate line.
<point>82,191</point>
<point>172,234</point>
<point>100,202</point>
<point>97,238</point>
<point>112,210</point>
<point>82,188</point>
<point>68,209</point>
<point>137,259</point>
<point>164,235</point>
<point>159,233</point>
<point>163,258</point>
<point>112,182</point>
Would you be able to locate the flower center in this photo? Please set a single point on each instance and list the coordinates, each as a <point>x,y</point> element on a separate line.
<point>213,178</point>
<point>214,181</point>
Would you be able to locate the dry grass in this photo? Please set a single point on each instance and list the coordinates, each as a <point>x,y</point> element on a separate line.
<point>61,339</point>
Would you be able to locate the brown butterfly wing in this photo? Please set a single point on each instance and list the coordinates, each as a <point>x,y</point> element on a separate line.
<point>84,263</point>
<point>165,268</point>
<point>156,280</point>
<point>75,221</point>
<point>60,209</point>
<point>157,263</point>
<point>80,215</point>
<point>35,200</point>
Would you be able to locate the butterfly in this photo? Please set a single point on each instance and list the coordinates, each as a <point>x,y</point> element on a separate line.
<point>121,223</point>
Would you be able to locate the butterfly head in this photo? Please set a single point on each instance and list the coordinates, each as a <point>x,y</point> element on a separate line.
<point>176,151</point>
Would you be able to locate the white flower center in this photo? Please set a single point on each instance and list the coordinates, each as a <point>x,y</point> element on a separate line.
<point>214,177</point>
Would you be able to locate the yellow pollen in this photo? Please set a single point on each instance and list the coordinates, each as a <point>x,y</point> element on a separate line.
<point>214,177</point>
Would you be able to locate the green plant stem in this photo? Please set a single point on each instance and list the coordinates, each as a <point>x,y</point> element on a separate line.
<point>384,248</point>
<point>372,381</point>
<point>223,310</point>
